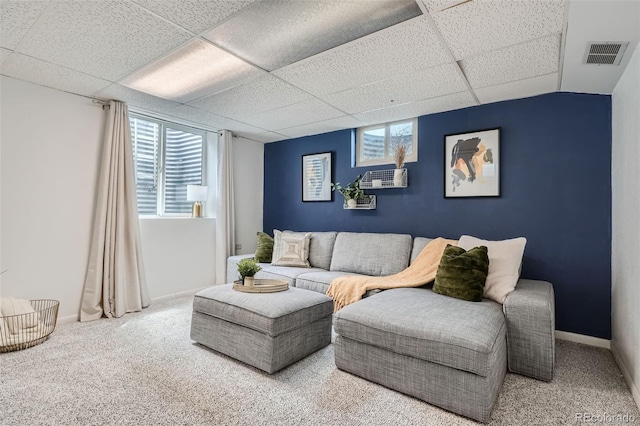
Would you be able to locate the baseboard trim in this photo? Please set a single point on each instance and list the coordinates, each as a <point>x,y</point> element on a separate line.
<point>585,340</point>
<point>635,393</point>
<point>75,318</point>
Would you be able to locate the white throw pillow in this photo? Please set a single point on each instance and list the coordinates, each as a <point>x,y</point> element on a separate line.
<point>505,258</point>
<point>10,306</point>
<point>290,249</point>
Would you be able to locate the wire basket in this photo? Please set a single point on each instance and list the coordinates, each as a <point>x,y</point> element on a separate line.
<point>379,179</point>
<point>22,331</point>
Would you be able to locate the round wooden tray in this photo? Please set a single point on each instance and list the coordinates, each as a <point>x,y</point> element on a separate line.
<point>261,286</point>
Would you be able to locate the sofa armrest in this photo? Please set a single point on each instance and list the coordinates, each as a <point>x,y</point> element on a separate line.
<point>232,266</point>
<point>529,313</point>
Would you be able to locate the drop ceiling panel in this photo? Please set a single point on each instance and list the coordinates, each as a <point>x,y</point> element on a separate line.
<point>525,60</point>
<point>416,109</point>
<point>260,95</point>
<point>16,18</point>
<point>345,122</point>
<point>276,33</point>
<point>135,98</point>
<point>424,84</point>
<point>483,25</point>
<point>194,15</point>
<point>411,45</point>
<point>294,115</point>
<point>4,54</point>
<point>208,119</point>
<point>51,75</point>
<point>268,137</point>
<point>104,39</point>
<point>518,89</point>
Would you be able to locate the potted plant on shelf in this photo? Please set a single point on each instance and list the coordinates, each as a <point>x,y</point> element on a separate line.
<point>247,268</point>
<point>351,192</point>
<point>399,153</point>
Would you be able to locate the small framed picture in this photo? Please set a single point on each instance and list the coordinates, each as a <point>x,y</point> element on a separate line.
<point>472,164</point>
<point>316,177</point>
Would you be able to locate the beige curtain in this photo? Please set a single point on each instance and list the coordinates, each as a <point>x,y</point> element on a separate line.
<point>115,283</point>
<point>225,216</point>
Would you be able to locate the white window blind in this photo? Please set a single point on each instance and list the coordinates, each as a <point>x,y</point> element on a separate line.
<point>167,157</point>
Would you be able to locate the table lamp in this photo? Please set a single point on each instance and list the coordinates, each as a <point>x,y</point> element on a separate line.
<point>196,193</point>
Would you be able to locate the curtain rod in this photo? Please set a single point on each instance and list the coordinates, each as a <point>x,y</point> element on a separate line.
<point>103,104</point>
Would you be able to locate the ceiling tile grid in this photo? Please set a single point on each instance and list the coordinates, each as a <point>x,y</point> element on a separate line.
<point>194,15</point>
<point>135,98</point>
<point>411,45</point>
<point>484,25</point>
<point>104,39</point>
<point>16,18</point>
<point>268,137</point>
<point>46,74</point>
<point>294,115</point>
<point>345,122</point>
<point>416,109</point>
<point>518,89</point>
<point>525,60</point>
<point>260,95</point>
<point>404,88</point>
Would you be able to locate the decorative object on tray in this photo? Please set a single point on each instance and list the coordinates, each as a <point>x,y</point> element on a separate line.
<point>316,177</point>
<point>247,268</point>
<point>26,323</point>
<point>261,286</point>
<point>472,164</point>
<point>399,153</point>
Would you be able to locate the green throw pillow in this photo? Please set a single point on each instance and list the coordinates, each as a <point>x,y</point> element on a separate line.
<point>462,273</point>
<point>264,252</point>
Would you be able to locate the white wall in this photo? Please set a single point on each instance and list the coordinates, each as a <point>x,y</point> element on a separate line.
<point>248,181</point>
<point>50,142</point>
<point>625,183</point>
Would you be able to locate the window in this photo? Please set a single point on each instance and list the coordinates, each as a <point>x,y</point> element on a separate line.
<point>167,158</point>
<point>375,144</point>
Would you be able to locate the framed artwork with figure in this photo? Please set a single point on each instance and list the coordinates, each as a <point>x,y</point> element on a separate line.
<point>316,177</point>
<point>472,164</point>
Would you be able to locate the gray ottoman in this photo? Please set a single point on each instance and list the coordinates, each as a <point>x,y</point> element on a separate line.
<point>269,331</point>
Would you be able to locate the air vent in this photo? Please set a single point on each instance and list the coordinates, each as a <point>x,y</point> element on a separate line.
<point>605,52</point>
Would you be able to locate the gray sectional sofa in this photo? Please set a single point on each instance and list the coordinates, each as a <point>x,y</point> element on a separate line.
<point>448,352</point>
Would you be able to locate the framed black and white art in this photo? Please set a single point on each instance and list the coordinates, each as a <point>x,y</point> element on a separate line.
<point>472,164</point>
<point>316,177</point>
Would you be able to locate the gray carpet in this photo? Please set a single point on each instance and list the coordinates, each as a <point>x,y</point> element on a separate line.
<point>143,369</point>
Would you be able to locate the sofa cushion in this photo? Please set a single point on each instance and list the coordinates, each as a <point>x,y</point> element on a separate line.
<point>286,273</point>
<point>321,248</point>
<point>505,258</point>
<point>418,244</point>
<point>290,249</point>
<point>371,254</point>
<point>422,324</point>
<point>319,281</point>
<point>264,250</point>
<point>461,273</point>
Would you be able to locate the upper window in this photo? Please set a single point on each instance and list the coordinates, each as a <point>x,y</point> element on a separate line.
<point>375,144</point>
<point>167,157</point>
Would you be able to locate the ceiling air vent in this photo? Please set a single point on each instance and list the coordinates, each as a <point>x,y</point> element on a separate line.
<point>605,52</point>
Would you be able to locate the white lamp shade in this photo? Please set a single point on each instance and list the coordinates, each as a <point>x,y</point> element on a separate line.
<point>197,193</point>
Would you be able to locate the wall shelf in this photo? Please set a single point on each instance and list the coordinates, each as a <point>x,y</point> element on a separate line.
<point>368,202</point>
<point>382,179</point>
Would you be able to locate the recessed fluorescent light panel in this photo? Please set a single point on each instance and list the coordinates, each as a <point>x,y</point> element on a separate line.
<point>197,69</point>
<point>274,33</point>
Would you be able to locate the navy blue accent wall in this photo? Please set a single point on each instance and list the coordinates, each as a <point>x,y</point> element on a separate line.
<point>555,191</point>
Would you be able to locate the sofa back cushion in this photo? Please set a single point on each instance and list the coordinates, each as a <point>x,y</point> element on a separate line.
<point>321,249</point>
<point>418,244</point>
<point>371,254</point>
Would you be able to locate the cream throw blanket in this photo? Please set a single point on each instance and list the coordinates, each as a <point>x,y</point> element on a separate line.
<point>348,289</point>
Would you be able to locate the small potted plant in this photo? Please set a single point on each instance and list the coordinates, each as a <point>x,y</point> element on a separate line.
<point>247,268</point>
<point>351,192</point>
